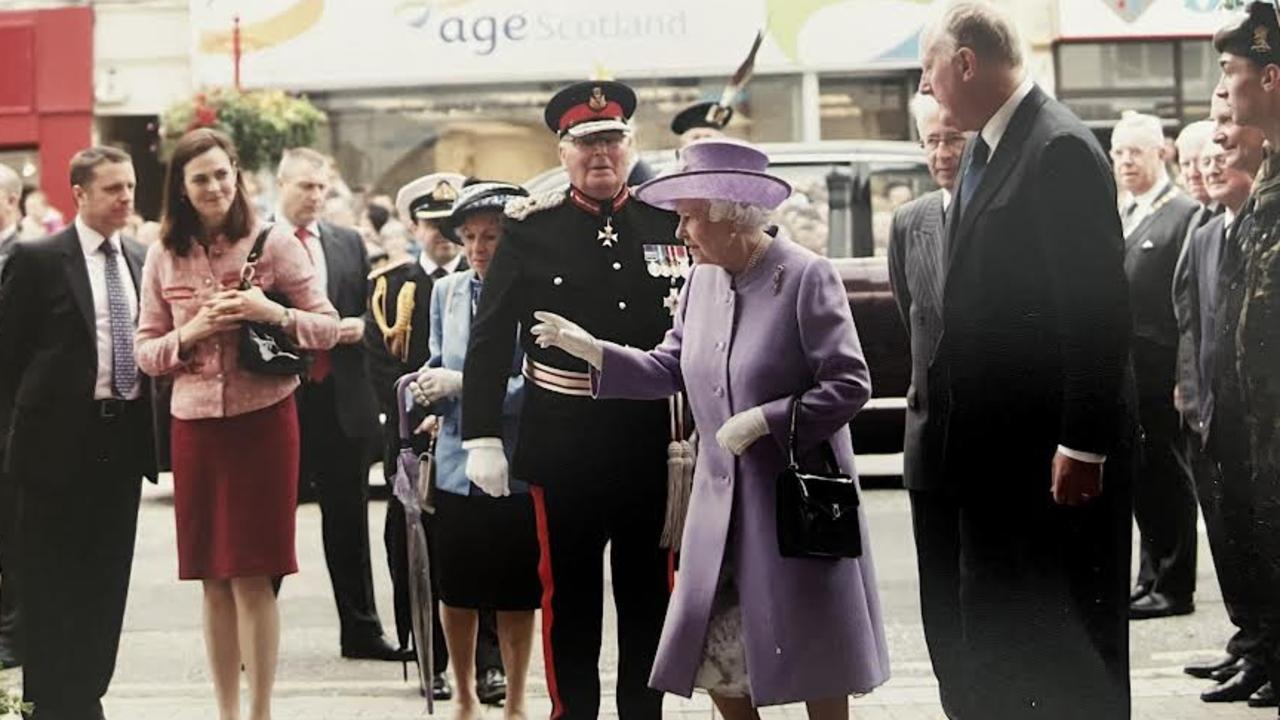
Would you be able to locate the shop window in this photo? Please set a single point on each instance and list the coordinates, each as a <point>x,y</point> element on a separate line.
<point>1171,79</point>
<point>871,107</point>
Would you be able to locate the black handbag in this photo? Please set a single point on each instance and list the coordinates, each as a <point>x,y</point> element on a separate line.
<point>264,348</point>
<point>817,510</point>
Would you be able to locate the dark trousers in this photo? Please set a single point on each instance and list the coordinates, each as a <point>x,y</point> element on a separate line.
<point>1025,602</point>
<point>337,466</point>
<point>575,522</point>
<point>10,621</point>
<point>1164,497</point>
<point>77,536</point>
<point>1221,499</point>
<point>488,652</point>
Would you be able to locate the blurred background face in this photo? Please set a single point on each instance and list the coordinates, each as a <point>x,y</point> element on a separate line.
<point>1189,163</point>
<point>304,187</point>
<point>480,235</point>
<point>209,181</point>
<point>106,202</point>
<point>438,248</point>
<point>943,145</point>
<point>597,164</point>
<point>1137,164</point>
<point>699,133</point>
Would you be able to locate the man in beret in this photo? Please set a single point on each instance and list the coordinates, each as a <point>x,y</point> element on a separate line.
<point>598,469</point>
<point>1247,369</point>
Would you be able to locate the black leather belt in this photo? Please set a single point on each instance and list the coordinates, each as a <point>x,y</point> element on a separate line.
<point>113,408</point>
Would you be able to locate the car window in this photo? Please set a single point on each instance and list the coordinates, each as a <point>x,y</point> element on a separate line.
<point>806,214</point>
<point>891,187</point>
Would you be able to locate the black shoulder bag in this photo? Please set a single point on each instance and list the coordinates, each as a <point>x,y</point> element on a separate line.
<point>817,510</point>
<point>264,348</point>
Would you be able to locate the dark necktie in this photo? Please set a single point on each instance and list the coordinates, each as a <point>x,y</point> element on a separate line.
<point>124,369</point>
<point>438,273</point>
<point>974,172</point>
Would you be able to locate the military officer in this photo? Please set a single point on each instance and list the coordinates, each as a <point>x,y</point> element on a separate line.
<point>598,468</point>
<point>700,121</point>
<point>1247,369</point>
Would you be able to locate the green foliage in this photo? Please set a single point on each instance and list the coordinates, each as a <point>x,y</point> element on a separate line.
<point>11,705</point>
<point>261,122</point>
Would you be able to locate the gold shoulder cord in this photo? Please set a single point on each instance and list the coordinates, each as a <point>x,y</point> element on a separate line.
<point>396,336</point>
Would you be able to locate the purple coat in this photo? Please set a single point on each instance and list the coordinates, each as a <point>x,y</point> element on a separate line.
<point>812,628</point>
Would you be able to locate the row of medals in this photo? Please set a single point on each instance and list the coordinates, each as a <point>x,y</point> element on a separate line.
<point>667,261</point>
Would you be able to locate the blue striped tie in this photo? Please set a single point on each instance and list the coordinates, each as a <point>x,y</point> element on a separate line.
<point>124,369</point>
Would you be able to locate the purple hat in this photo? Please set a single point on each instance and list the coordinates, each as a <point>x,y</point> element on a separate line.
<point>718,169</point>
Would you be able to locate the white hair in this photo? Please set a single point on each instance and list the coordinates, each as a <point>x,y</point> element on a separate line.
<point>743,215</point>
<point>1194,137</point>
<point>988,32</point>
<point>1139,129</point>
<point>925,109</point>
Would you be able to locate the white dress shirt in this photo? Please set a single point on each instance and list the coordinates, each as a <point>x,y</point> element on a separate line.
<point>430,266</point>
<point>1144,204</point>
<point>96,263</point>
<point>946,200</point>
<point>315,248</point>
<point>993,132</point>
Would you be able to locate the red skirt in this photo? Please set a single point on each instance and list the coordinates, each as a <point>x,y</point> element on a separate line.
<point>235,490</point>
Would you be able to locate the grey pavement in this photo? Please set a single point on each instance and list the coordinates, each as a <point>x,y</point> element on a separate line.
<point>161,672</point>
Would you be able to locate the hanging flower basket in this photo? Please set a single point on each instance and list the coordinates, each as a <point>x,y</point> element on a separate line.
<point>11,705</point>
<point>261,122</point>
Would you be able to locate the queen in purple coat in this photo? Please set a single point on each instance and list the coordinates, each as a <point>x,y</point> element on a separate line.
<point>760,322</point>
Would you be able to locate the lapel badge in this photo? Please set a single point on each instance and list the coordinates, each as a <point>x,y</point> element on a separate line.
<point>777,278</point>
<point>672,301</point>
<point>598,101</point>
<point>1147,245</point>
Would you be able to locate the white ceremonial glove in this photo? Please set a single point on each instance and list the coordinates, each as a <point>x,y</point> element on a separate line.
<point>435,383</point>
<point>555,331</point>
<point>487,466</point>
<point>739,431</point>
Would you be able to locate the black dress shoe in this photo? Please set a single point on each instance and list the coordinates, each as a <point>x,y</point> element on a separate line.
<point>1205,670</point>
<point>440,688</point>
<point>1228,672</point>
<point>1265,697</point>
<point>375,649</point>
<point>491,688</point>
<point>1158,605</point>
<point>1238,689</point>
<point>1138,592</point>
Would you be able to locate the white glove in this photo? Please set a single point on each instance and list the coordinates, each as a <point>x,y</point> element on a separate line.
<point>553,330</point>
<point>739,431</point>
<point>487,466</point>
<point>435,383</point>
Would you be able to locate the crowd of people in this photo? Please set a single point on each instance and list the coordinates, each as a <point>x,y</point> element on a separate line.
<point>650,366</point>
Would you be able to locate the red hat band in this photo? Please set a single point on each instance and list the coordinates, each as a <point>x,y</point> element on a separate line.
<point>583,113</point>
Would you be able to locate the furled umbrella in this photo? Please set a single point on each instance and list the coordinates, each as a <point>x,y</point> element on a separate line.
<point>411,487</point>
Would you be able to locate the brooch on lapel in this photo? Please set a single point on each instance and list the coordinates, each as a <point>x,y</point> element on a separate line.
<point>777,278</point>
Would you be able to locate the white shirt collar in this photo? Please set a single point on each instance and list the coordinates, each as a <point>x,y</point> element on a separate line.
<point>313,227</point>
<point>1228,217</point>
<point>995,128</point>
<point>429,265</point>
<point>91,240</point>
<point>946,199</point>
<point>1148,198</point>
<point>7,231</point>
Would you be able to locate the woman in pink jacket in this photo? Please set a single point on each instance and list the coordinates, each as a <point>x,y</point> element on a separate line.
<point>235,432</point>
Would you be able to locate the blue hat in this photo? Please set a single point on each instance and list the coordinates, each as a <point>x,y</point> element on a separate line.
<point>477,197</point>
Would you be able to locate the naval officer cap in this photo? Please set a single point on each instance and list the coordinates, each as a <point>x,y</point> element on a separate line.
<point>1255,36</point>
<point>707,114</point>
<point>429,197</point>
<point>591,107</point>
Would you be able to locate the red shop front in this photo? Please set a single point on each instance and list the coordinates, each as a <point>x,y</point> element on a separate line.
<point>46,91</point>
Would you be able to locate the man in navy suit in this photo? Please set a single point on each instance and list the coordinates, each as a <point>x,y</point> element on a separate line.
<point>79,436</point>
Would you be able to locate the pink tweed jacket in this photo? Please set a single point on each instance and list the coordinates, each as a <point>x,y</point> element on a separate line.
<point>208,379</point>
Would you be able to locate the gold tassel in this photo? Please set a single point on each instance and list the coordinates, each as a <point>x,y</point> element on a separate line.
<point>396,336</point>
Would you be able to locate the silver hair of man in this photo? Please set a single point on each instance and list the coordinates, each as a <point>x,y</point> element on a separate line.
<point>1194,138</point>
<point>1141,129</point>
<point>301,155</point>
<point>925,109</point>
<point>10,183</point>
<point>988,32</point>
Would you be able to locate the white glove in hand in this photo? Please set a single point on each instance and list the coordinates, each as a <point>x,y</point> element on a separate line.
<point>435,383</point>
<point>739,431</point>
<point>487,466</point>
<point>555,331</point>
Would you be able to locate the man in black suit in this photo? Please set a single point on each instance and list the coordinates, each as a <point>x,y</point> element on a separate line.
<point>10,636</point>
<point>916,255</point>
<point>1229,165</point>
<point>1156,217</point>
<point>1030,389</point>
<point>336,409</point>
<point>79,437</point>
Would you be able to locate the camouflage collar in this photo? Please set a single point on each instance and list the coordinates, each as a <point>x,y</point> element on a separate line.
<point>1266,187</point>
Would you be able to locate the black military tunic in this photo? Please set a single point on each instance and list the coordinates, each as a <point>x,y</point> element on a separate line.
<point>598,467</point>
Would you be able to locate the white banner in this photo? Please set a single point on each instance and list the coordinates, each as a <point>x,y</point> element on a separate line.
<point>335,44</point>
<point>1081,19</point>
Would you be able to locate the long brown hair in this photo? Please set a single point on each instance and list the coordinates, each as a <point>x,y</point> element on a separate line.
<point>180,223</point>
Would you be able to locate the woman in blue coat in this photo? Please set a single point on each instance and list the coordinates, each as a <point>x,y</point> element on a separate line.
<point>486,548</point>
